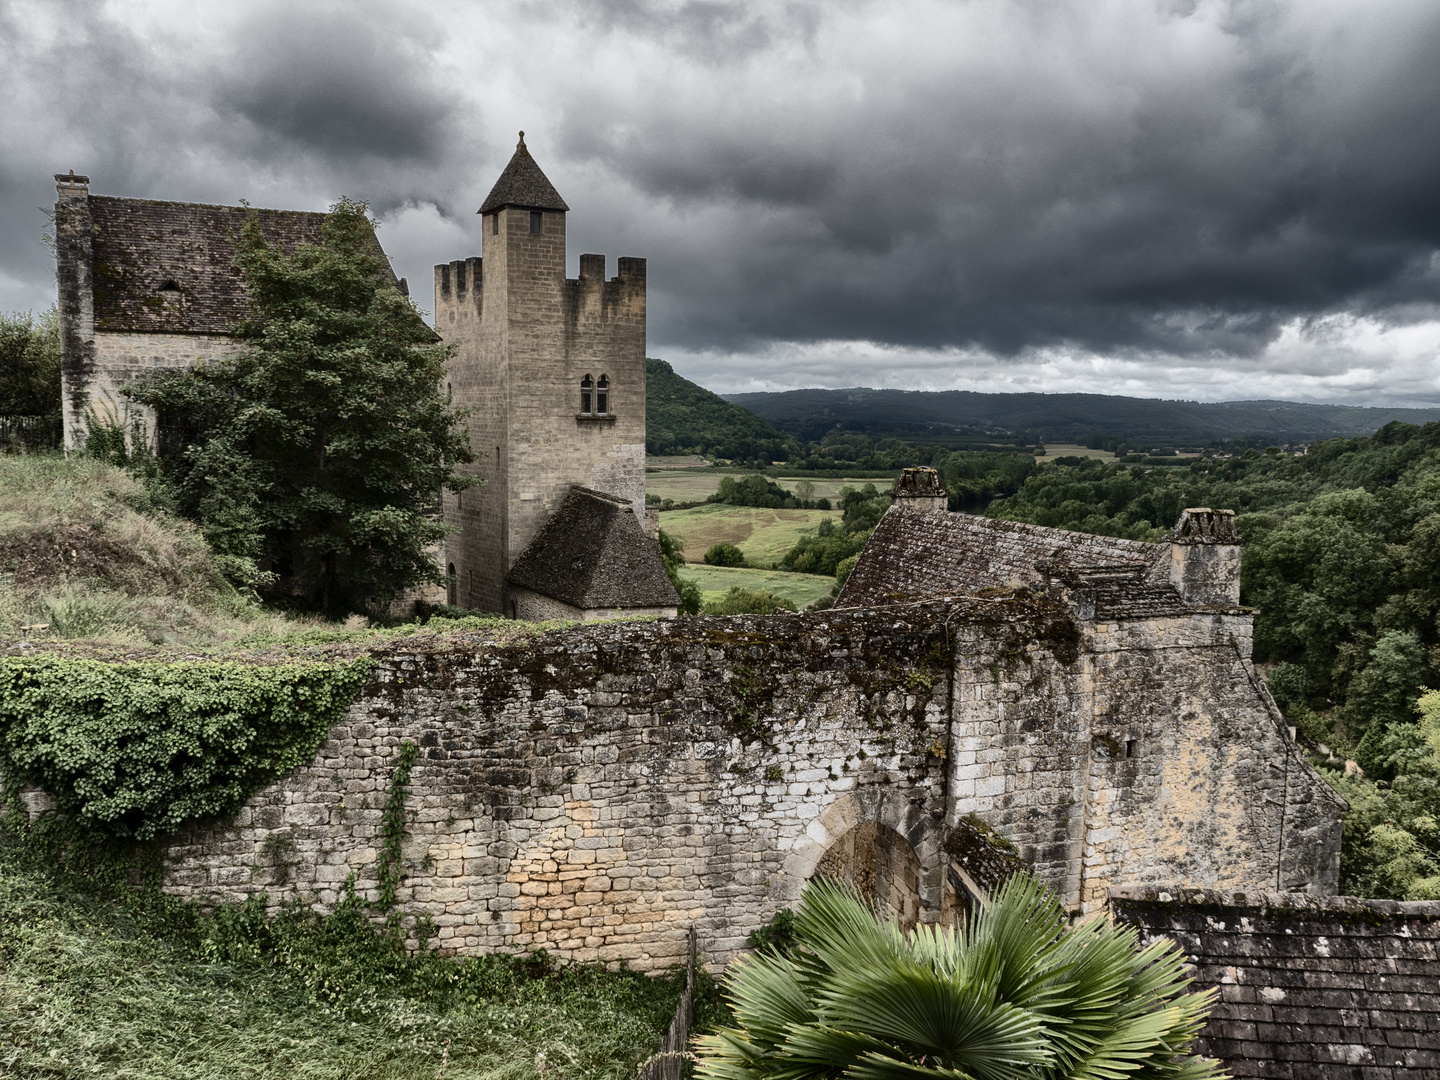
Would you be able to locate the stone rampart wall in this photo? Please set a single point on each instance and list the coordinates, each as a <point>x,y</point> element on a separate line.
<point>1310,988</point>
<point>598,791</point>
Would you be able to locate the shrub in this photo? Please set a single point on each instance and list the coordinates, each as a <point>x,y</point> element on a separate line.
<point>1018,991</point>
<point>724,555</point>
<point>740,601</point>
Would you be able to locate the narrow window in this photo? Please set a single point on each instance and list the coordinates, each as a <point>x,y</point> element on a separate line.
<point>1129,747</point>
<point>495,224</point>
<point>451,583</point>
<point>534,221</point>
<point>602,395</point>
<point>587,386</point>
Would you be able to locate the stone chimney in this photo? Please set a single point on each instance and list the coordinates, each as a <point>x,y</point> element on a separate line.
<point>920,489</point>
<point>1205,557</point>
<point>76,301</point>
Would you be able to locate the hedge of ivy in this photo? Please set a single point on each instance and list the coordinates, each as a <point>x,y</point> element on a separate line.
<point>137,750</point>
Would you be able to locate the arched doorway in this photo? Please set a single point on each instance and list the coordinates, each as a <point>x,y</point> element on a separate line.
<point>881,866</point>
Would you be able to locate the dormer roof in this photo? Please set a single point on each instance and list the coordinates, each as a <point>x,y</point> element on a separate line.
<point>522,184</point>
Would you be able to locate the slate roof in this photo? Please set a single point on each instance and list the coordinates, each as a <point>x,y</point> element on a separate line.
<point>1306,986</point>
<point>594,554</point>
<point>141,245</point>
<point>912,555</point>
<point>523,184</point>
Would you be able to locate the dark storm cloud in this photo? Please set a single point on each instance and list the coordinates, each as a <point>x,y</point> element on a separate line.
<point>338,81</point>
<point>1082,195</point>
<point>1133,179</point>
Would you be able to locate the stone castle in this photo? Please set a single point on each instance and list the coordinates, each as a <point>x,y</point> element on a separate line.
<point>552,372</point>
<point>984,695</point>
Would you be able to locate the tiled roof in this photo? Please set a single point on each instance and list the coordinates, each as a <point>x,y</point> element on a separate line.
<point>912,555</point>
<point>167,266</point>
<point>593,554</point>
<point>523,184</point>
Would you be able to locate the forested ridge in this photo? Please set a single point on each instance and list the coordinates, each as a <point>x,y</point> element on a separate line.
<point>1342,561</point>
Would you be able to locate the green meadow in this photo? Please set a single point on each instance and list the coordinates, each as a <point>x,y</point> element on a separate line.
<point>715,581</point>
<point>763,535</point>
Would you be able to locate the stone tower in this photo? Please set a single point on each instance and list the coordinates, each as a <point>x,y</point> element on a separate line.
<point>553,373</point>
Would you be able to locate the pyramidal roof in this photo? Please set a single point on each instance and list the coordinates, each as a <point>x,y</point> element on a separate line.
<point>523,184</point>
<point>593,554</point>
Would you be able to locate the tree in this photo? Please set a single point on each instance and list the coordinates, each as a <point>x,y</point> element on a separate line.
<point>323,446</point>
<point>30,375</point>
<point>1017,992</point>
<point>724,554</point>
<point>672,554</point>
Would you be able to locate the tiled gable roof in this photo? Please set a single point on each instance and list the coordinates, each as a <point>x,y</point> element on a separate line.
<point>912,555</point>
<point>141,246</point>
<point>593,554</point>
<point>523,184</point>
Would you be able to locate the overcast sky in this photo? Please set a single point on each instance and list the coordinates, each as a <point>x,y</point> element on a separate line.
<point>1176,198</point>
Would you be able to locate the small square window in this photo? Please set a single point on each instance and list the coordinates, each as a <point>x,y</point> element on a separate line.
<point>535,221</point>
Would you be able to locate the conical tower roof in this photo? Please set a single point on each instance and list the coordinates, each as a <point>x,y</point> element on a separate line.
<point>523,184</point>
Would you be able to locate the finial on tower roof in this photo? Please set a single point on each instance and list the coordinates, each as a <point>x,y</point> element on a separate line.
<point>523,184</point>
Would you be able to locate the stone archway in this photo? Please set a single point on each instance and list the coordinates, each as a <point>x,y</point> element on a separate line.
<point>881,866</point>
<point>902,821</point>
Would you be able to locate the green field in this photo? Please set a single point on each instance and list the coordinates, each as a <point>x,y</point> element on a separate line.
<point>690,485</point>
<point>763,535</point>
<point>1054,450</point>
<point>800,589</point>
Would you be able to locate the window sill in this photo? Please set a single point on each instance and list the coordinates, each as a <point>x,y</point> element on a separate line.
<point>595,418</point>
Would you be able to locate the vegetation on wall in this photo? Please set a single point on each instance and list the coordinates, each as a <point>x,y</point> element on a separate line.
<point>134,751</point>
<point>1018,991</point>
<point>319,450</point>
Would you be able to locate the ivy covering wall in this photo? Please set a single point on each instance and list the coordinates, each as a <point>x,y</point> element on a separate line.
<point>135,750</point>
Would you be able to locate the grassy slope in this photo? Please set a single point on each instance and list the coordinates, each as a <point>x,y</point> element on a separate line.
<point>88,990</point>
<point>81,553</point>
<point>763,535</point>
<point>800,589</point>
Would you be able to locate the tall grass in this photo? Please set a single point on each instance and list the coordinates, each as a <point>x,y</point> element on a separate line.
<point>108,983</point>
<point>84,553</point>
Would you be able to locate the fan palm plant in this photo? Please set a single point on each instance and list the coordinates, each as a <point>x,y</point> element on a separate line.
<point>1016,993</point>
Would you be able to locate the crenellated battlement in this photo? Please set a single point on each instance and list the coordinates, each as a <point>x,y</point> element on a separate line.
<point>459,281</point>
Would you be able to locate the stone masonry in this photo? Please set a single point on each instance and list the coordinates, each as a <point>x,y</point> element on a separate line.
<point>599,789</point>
<point>525,337</point>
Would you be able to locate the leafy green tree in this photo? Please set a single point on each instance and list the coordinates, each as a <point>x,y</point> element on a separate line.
<point>1018,992</point>
<point>322,448</point>
<point>823,551</point>
<point>723,554</point>
<point>1390,844</point>
<point>672,554</point>
<point>753,490</point>
<point>30,364</point>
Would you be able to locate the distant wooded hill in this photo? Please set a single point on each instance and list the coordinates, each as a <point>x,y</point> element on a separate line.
<point>682,417</point>
<point>958,416</point>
